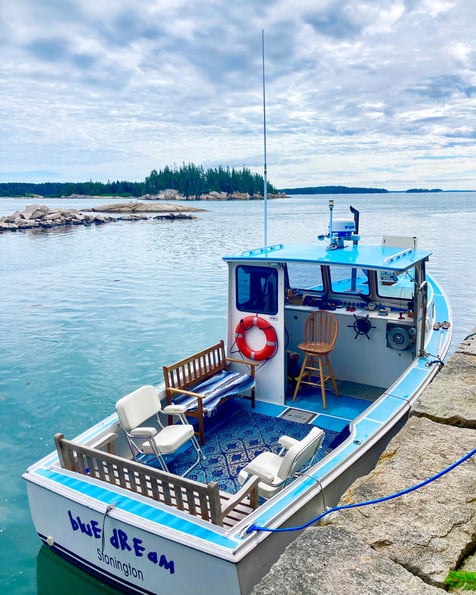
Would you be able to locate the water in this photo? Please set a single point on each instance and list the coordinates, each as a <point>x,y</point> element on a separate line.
<point>90,313</point>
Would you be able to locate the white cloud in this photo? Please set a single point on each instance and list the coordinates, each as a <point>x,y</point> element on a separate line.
<point>358,92</point>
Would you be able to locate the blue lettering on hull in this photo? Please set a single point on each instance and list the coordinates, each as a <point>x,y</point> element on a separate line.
<point>122,542</point>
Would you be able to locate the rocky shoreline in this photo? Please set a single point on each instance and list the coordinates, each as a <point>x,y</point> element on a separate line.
<point>42,217</point>
<point>408,545</point>
<point>213,195</point>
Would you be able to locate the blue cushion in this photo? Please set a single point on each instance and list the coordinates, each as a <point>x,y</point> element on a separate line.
<point>223,384</point>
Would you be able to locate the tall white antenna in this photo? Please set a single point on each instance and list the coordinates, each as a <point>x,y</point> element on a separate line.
<point>265,191</point>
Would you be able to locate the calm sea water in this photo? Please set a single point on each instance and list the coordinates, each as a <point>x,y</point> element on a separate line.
<point>90,313</point>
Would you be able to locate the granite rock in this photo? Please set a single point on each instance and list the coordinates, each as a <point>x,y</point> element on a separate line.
<point>452,399</point>
<point>332,561</point>
<point>428,531</point>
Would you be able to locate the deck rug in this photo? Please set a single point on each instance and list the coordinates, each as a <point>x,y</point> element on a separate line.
<point>235,442</point>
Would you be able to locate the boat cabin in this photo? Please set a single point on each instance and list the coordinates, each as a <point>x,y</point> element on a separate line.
<point>377,293</point>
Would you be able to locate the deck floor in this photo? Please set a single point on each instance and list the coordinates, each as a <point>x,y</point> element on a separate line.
<point>232,440</point>
<point>353,399</point>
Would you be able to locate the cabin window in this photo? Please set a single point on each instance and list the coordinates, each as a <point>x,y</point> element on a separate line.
<point>392,284</point>
<point>305,276</point>
<point>349,280</point>
<point>257,289</point>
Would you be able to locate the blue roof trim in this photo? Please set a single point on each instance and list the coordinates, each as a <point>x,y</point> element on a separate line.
<point>366,257</point>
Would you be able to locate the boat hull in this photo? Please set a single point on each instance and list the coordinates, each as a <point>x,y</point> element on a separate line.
<point>126,556</point>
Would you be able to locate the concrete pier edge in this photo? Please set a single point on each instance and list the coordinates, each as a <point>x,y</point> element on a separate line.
<point>408,545</point>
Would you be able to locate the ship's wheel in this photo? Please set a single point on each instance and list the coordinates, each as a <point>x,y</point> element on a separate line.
<point>361,326</point>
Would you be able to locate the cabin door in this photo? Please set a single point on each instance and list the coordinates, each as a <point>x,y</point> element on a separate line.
<point>256,324</point>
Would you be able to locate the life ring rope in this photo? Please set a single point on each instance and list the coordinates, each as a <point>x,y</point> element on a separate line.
<point>271,344</point>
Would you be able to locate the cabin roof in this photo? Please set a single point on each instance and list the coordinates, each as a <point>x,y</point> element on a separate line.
<point>361,256</point>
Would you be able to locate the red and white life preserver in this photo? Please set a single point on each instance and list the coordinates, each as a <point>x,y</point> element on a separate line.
<point>271,343</point>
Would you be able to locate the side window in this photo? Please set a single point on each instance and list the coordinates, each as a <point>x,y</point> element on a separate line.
<point>257,289</point>
<point>396,285</point>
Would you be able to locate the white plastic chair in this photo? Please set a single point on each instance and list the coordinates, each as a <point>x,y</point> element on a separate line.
<point>144,404</point>
<point>276,470</point>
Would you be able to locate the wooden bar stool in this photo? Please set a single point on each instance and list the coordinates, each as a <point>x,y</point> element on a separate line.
<point>320,334</point>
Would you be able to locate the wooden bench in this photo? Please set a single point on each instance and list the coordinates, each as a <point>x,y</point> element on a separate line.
<point>194,377</point>
<point>206,501</point>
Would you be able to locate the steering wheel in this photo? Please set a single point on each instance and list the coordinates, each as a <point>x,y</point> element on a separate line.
<point>361,326</point>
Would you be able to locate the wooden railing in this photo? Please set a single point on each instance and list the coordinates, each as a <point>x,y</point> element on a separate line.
<point>198,499</point>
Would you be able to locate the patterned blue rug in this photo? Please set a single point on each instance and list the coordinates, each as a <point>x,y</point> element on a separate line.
<point>237,440</point>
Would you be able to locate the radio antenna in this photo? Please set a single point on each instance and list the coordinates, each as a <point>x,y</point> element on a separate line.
<point>265,168</point>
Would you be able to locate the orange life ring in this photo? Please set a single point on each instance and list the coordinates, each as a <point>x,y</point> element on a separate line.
<point>270,346</point>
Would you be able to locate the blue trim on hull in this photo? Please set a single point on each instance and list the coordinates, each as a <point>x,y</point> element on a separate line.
<point>140,509</point>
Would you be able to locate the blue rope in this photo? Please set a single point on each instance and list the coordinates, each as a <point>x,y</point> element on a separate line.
<point>254,527</point>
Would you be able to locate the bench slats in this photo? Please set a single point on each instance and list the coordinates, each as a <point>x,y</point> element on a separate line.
<point>183,376</point>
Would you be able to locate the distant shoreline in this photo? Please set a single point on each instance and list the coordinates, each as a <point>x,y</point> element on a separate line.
<point>355,190</point>
<point>212,196</point>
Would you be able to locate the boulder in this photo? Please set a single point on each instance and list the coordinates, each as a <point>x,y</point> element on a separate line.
<point>174,216</point>
<point>54,216</point>
<point>13,218</point>
<point>40,216</point>
<point>331,560</point>
<point>29,209</point>
<point>214,195</point>
<point>170,194</point>
<point>430,530</point>
<point>6,226</point>
<point>140,207</point>
<point>451,400</point>
<point>39,212</point>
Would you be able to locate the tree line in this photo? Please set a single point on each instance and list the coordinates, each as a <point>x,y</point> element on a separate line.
<point>190,180</point>
<point>333,190</point>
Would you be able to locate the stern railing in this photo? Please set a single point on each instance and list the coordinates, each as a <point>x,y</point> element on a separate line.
<point>205,501</point>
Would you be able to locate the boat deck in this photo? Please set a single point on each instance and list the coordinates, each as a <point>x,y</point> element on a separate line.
<point>237,433</point>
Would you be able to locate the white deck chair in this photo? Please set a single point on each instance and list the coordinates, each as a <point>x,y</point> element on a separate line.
<point>143,404</point>
<point>276,470</point>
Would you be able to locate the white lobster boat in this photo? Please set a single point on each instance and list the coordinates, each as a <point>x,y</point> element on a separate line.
<point>104,501</point>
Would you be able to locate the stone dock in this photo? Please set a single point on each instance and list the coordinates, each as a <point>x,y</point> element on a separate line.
<point>408,545</point>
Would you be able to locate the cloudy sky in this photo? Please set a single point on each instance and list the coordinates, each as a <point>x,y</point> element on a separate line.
<point>378,93</point>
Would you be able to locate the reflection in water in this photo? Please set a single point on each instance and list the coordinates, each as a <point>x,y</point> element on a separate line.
<point>56,576</point>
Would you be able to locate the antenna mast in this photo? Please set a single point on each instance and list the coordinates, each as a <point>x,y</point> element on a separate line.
<point>265,191</point>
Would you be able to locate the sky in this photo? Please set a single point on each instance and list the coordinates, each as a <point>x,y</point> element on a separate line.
<point>376,93</point>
